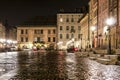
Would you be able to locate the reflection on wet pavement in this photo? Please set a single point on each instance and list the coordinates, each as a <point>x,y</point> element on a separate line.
<point>7,62</point>
<point>61,66</point>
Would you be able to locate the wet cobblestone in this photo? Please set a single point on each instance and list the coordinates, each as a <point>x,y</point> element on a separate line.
<point>57,66</point>
<point>7,62</point>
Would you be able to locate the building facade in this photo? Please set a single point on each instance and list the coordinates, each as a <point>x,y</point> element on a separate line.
<point>84,32</point>
<point>114,29</point>
<point>68,28</point>
<point>93,22</point>
<point>2,35</point>
<point>102,16</point>
<point>104,10</point>
<point>29,36</point>
<point>108,9</point>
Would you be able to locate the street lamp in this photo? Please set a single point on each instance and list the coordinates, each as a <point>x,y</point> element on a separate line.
<point>81,40</point>
<point>93,29</point>
<point>105,34</point>
<point>110,22</point>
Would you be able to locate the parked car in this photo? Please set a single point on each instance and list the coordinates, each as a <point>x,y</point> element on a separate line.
<point>13,49</point>
<point>42,49</point>
<point>34,48</point>
<point>72,49</point>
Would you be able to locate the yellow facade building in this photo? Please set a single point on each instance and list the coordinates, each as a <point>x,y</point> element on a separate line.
<point>2,35</point>
<point>84,32</point>
<point>29,36</point>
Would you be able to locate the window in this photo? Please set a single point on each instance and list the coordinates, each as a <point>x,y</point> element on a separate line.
<point>67,27</point>
<point>26,39</point>
<point>60,27</point>
<point>22,31</point>
<point>38,31</point>
<point>22,39</point>
<point>41,31</point>
<point>72,27</point>
<point>35,31</point>
<point>60,36</point>
<point>54,31</point>
<point>26,31</point>
<point>61,20</point>
<point>78,36</point>
<point>72,20</point>
<point>38,39</point>
<point>72,35</point>
<point>67,20</point>
<point>67,36</point>
<point>49,39</point>
<point>35,39</point>
<point>49,32</point>
<point>53,39</point>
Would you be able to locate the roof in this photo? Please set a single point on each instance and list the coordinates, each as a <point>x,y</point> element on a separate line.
<point>82,10</point>
<point>41,20</point>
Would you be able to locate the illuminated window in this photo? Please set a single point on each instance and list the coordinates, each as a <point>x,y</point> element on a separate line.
<point>61,20</point>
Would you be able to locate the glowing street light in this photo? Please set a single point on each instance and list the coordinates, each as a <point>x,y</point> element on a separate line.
<point>110,22</point>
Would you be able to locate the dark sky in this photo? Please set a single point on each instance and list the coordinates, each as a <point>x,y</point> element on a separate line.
<point>17,11</point>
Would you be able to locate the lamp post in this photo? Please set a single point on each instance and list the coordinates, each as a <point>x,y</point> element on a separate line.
<point>93,29</point>
<point>110,22</point>
<point>72,31</point>
<point>81,40</point>
<point>105,35</point>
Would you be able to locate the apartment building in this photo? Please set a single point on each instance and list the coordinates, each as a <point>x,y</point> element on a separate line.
<point>68,28</point>
<point>84,32</point>
<point>27,36</point>
<point>93,23</point>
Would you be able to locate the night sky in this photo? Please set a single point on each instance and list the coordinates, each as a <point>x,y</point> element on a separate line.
<point>17,11</point>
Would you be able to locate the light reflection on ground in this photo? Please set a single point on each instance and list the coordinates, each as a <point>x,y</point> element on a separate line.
<point>55,66</point>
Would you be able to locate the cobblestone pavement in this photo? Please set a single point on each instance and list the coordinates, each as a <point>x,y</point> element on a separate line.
<point>58,66</point>
<point>8,62</point>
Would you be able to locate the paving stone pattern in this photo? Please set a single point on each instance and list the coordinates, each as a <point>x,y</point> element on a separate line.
<point>61,66</point>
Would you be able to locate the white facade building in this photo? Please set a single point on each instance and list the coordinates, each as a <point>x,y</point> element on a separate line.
<point>68,26</point>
